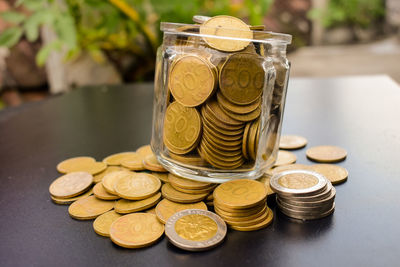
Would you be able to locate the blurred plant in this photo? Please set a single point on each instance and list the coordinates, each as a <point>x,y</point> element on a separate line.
<point>360,13</point>
<point>113,28</point>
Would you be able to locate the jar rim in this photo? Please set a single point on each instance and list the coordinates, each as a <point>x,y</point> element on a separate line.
<point>266,37</point>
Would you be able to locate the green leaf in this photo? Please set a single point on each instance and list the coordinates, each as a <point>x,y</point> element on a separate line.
<point>12,16</point>
<point>10,37</point>
<point>45,51</point>
<point>66,31</point>
<point>32,5</point>
<point>33,23</point>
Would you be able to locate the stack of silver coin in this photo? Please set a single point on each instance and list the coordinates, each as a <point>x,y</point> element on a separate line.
<point>304,195</point>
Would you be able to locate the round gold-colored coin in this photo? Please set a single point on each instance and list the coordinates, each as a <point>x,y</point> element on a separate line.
<point>239,109</point>
<point>137,186</point>
<point>244,140</point>
<point>248,222</point>
<point>67,201</point>
<point>326,154</point>
<point>217,144</point>
<point>285,158</point>
<point>232,218</point>
<point>292,142</point>
<point>241,78</point>
<point>187,183</point>
<point>220,119</point>
<point>333,173</point>
<point>182,128</point>
<point>265,180</point>
<point>129,206</point>
<point>191,159</point>
<point>116,159</point>
<point>222,155</point>
<point>89,208</point>
<point>243,117</point>
<point>151,163</point>
<point>223,211</point>
<point>251,142</point>
<point>134,162</point>
<point>216,128</point>
<point>101,193</point>
<point>136,230</point>
<point>103,223</point>
<point>111,179</point>
<point>81,164</point>
<point>72,164</point>
<point>193,191</point>
<point>240,194</point>
<point>191,80</point>
<point>99,177</point>
<point>162,176</point>
<point>213,108</point>
<point>71,184</point>
<point>226,26</point>
<point>152,210</point>
<point>174,195</point>
<point>166,208</point>
<point>268,220</point>
<point>144,150</point>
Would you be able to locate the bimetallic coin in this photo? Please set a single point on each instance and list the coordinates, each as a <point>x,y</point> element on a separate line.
<point>326,154</point>
<point>191,80</point>
<point>242,78</point>
<point>317,209</point>
<point>136,230</point>
<point>101,193</point>
<point>300,216</point>
<point>103,223</point>
<point>182,128</point>
<point>316,197</point>
<point>195,230</point>
<point>334,173</point>
<point>226,26</point>
<point>292,142</point>
<point>89,208</point>
<point>298,183</point>
<point>240,194</point>
<point>285,158</point>
<point>166,208</point>
<point>67,201</point>
<point>137,186</point>
<point>124,206</point>
<point>70,185</point>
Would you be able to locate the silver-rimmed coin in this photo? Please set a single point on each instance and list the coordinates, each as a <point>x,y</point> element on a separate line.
<point>319,202</point>
<point>195,229</point>
<point>308,217</point>
<point>298,183</point>
<point>302,209</point>
<point>312,198</point>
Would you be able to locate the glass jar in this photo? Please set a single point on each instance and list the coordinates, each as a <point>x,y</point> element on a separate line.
<point>218,101</point>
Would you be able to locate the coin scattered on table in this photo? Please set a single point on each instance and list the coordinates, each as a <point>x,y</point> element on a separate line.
<point>71,184</point>
<point>334,173</point>
<point>285,158</point>
<point>166,208</point>
<point>136,230</point>
<point>110,180</point>
<point>81,164</point>
<point>137,186</point>
<point>169,192</point>
<point>326,154</point>
<point>144,150</point>
<point>125,206</point>
<point>195,230</point>
<point>103,223</point>
<point>292,142</point>
<point>67,201</point>
<point>151,163</point>
<point>89,208</point>
<point>99,177</point>
<point>101,193</point>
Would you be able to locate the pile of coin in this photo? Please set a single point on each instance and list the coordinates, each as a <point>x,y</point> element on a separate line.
<point>303,194</point>
<point>215,94</point>
<point>242,204</point>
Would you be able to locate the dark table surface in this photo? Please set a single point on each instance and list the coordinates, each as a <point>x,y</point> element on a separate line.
<point>361,114</point>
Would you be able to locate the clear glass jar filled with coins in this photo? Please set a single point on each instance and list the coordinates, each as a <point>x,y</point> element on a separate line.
<point>219,95</point>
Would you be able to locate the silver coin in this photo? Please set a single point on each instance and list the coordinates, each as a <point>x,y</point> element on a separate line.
<point>308,217</point>
<point>195,245</point>
<point>302,209</point>
<point>200,19</point>
<point>296,202</point>
<point>312,198</point>
<point>320,186</point>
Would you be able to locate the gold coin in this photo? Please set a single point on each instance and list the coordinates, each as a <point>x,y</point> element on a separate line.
<point>166,208</point>
<point>240,194</point>
<point>89,208</point>
<point>298,180</point>
<point>151,163</point>
<point>210,197</point>
<point>67,201</point>
<point>265,180</point>
<point>289,167</point>
<point>162,176</point>
<point>72,164</point>
<point>81,164</point>
<point>243,117</point>
<point>187,183</point>
<point>196,227</point>
<point>217,163</point>
<point>220,122</point>
<point>134,162</point>
<point>116,159</point>
<point>252,139</point>
<point>193,191</point>
<point>213,108</point>
<point>182,127</point>
<point>248,222</point>
<point>191,80</point>
<point>292,142</point>
<point>99,177</point>
<point>214,127</point>
<point>109,181</point>
<point>226,26</point>
<point>244,140</point>
<point>137,186</point>
<point>228,139</point>
<point>136,230</point>
<point>226,161</point>
<point>101,193</point>
<point>232,218</point>
<point>238,213</point>
<point>71,184</point>
<point>191,159</point>
<point>103,223</point>
<point>217,144</point>
<point>174,195</point>
<point>144,150</point>
<point>241,78</point>
<point>333,173</point>
<point>285,158</point>
<point>326,153</point>
<point>258,226</point>
<point>238,109</point>
<point>129,206</point>
<point>152,210</point>
<point>222,155</point>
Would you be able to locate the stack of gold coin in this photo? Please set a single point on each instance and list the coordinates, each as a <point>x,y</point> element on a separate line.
<point>242,204</point>
<point>303,194</point>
